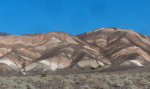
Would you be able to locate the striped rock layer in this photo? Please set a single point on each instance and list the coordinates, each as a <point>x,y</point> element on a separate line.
<point>49,52</point>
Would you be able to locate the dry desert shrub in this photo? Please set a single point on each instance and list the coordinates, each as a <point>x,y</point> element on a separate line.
<point>132,87</point>
<point>86,87</point>
<point>144,82</point>
<point>103,86</point>
<point>78,81</point>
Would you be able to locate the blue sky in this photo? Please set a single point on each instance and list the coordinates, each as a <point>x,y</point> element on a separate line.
<point>73,16</point>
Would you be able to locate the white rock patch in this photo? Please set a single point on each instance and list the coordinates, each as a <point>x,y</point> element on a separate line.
<point>100,63</point>
<point>7,61</point>
<point>136,62</point>
<point>52,65</point>
<point>60,66</point>
<point>45,62</point>
<point>56,39</point>
<point>86,63</point>
<point>31,66</point>
<point>25,57</point>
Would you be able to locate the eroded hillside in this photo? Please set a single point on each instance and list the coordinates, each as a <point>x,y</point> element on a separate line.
<point>92,51</point>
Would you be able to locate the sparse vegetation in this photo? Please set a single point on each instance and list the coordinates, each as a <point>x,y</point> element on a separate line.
<point>85,87</point>
<point>78,81</point>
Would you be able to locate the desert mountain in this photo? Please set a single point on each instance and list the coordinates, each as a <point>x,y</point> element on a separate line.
<point>50,52</point>
<point>3,34</point>
<point>119,46</point>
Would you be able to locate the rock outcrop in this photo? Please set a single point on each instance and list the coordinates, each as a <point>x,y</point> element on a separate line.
<point>49,52</point>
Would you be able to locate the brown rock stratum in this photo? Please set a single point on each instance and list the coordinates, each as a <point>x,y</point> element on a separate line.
<point>58,51</point>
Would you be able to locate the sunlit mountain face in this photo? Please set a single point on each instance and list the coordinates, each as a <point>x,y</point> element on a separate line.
<point>98,50</point>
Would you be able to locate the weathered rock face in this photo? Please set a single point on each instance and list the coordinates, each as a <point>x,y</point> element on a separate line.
<point>43,52</point>
<point>48,52</point>
<point>120,46</point>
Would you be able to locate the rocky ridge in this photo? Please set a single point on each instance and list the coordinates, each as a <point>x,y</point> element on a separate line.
<point>50,52</point>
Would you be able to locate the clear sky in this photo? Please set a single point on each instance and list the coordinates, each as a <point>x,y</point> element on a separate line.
<point>73,16</point>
